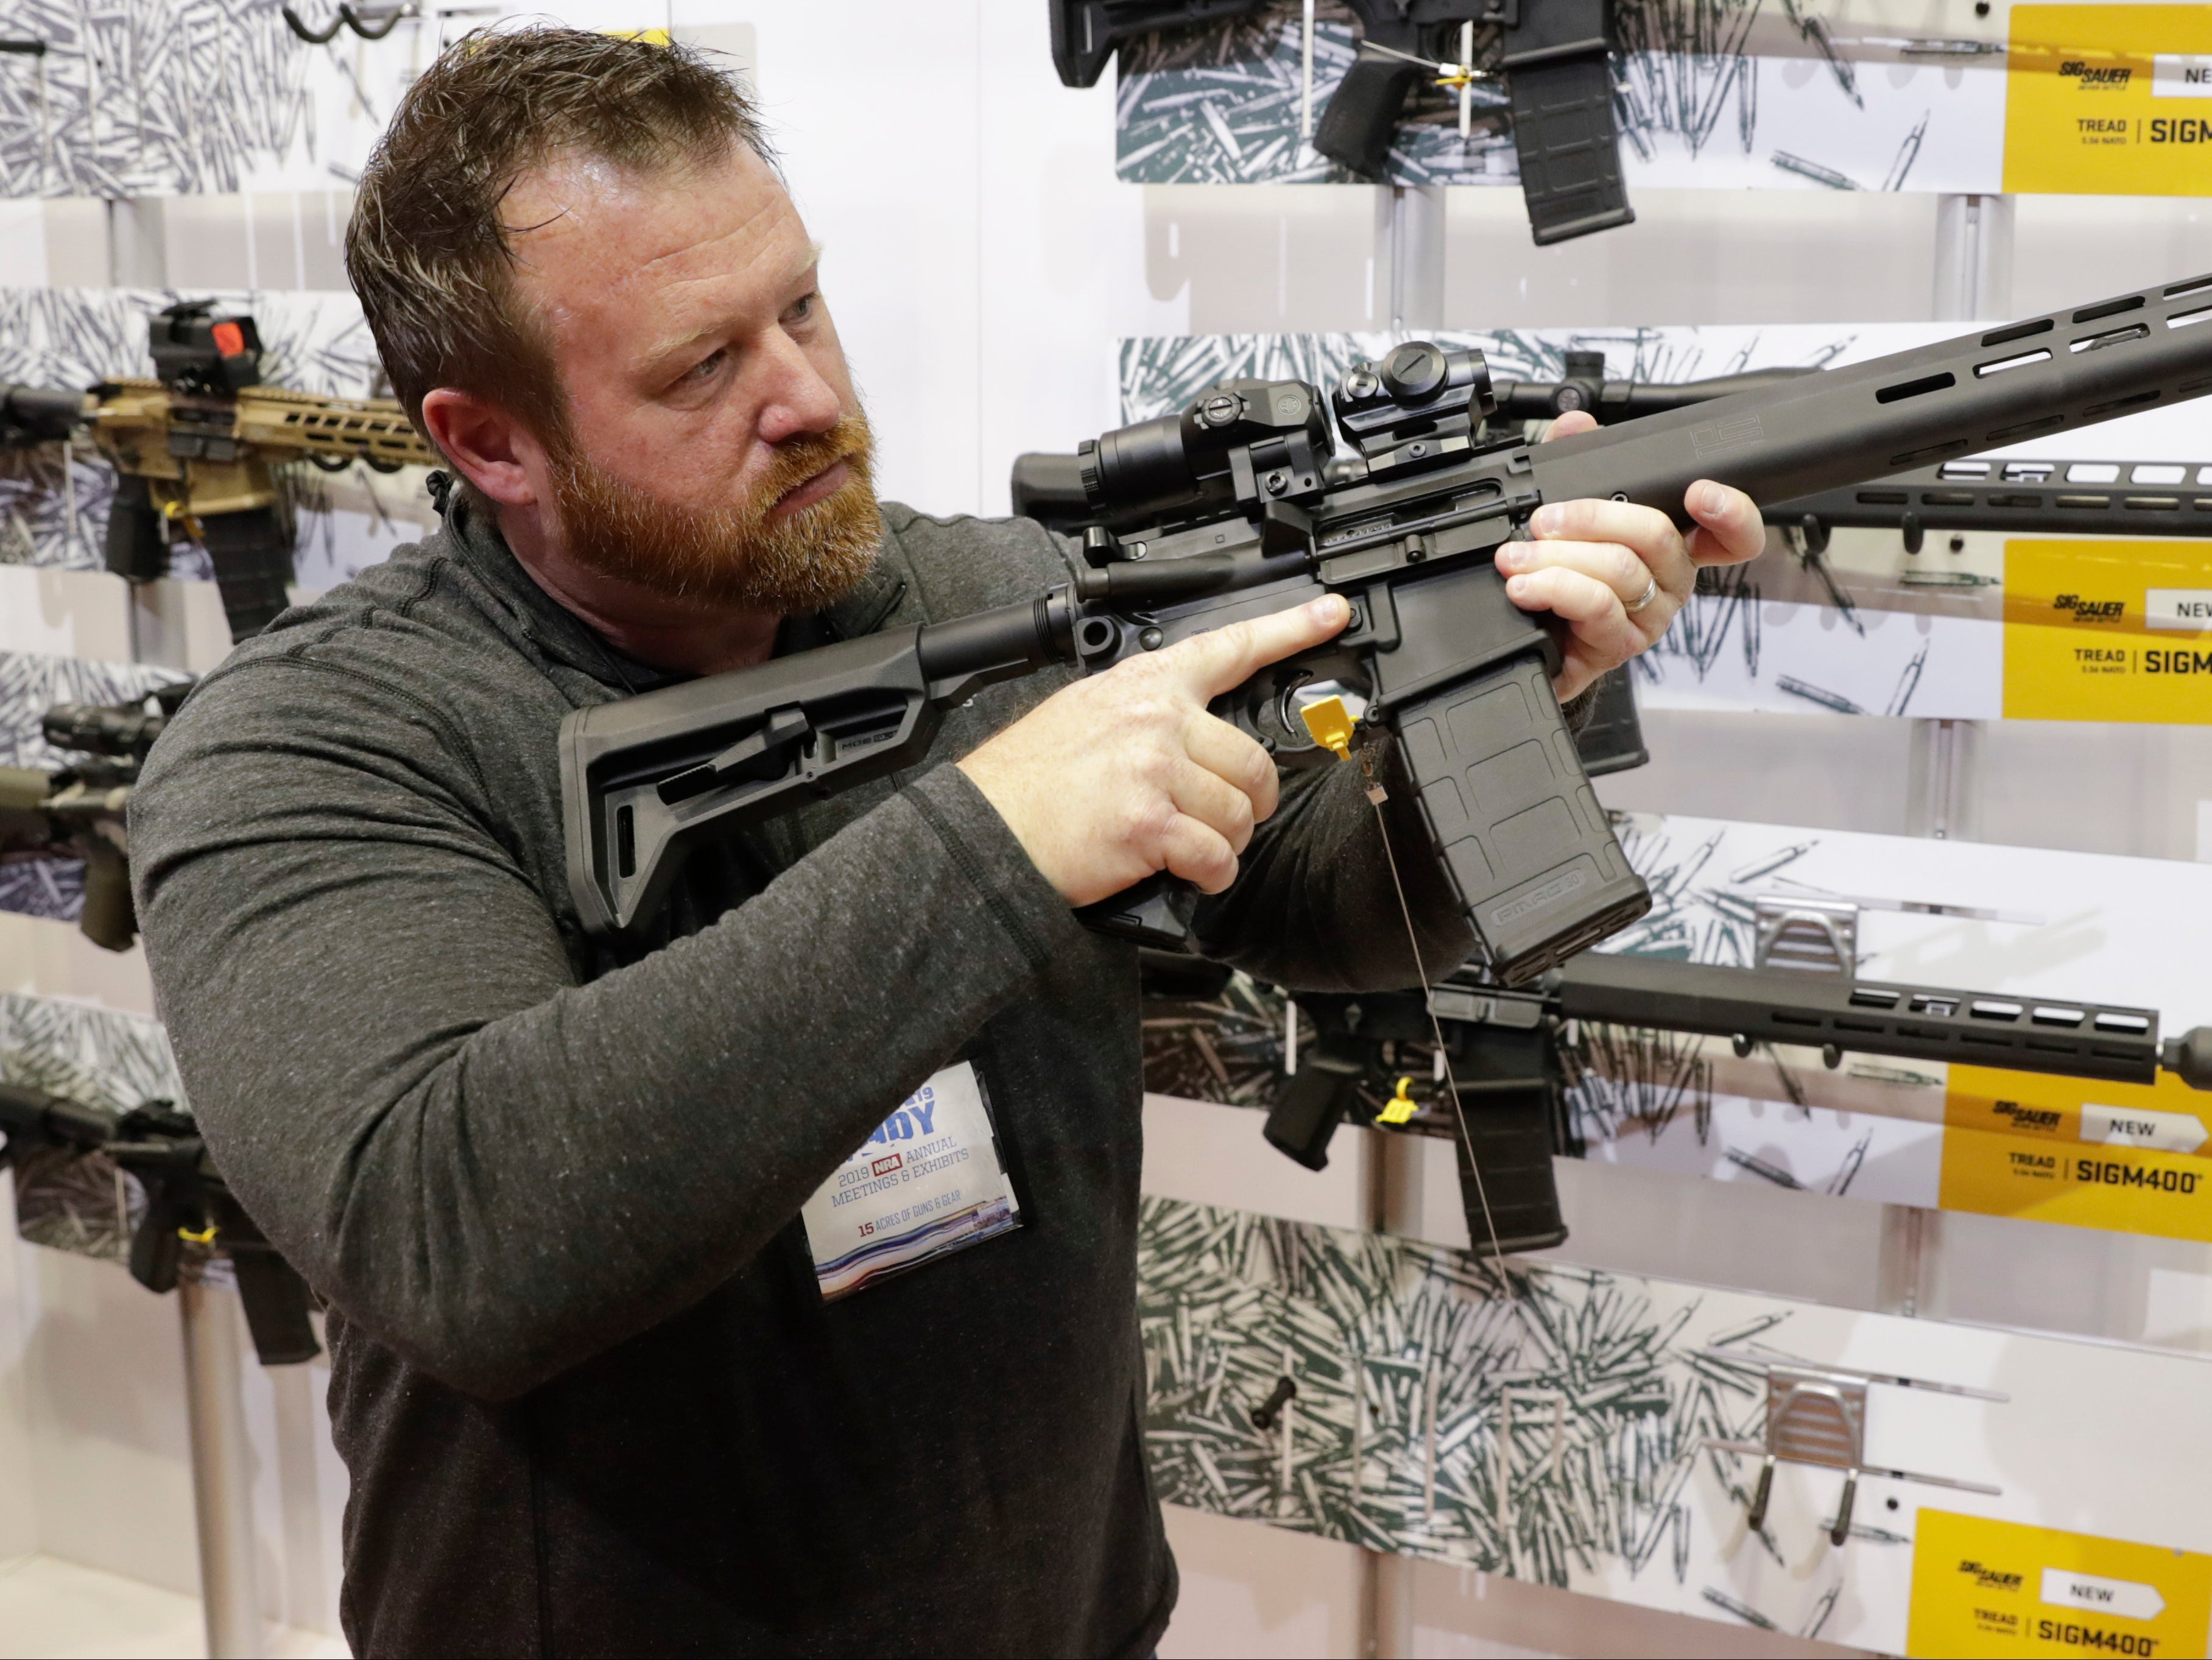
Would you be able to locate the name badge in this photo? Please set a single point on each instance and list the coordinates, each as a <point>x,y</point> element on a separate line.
<point>927,1183</point>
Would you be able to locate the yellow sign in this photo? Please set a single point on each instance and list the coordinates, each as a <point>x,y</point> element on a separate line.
<point>2109,100</point>
<point>1982,1587</point>
<point>2108,630</point>
<point>2121,1190</point>
<point>2167,1115</point>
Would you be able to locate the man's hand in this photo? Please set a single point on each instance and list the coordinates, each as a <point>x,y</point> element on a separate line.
<point>1591,561</point>
<point>1125,773</point>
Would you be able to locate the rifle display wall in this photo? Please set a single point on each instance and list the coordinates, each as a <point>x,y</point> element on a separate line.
<point>1408,1361</point>
<point>161,97</point>
<point>1808,95</point>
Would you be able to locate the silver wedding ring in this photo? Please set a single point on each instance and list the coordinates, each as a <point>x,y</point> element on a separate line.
<point>1650,592</point>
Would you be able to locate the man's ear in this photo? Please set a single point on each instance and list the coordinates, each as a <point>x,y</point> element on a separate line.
<point>490,448</point>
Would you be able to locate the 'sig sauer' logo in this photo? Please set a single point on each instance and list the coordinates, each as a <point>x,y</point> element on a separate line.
<point>2091,611</point>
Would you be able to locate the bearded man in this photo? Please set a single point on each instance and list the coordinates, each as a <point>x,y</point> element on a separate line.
<point>589,1378</point>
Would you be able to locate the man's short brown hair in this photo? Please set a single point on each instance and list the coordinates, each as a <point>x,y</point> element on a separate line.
<point>427,249</point>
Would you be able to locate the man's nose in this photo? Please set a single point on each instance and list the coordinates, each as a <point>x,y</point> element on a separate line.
<point>798,398</point>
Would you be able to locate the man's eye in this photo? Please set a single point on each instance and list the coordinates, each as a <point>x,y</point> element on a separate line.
<point>802,310</point>
<point>706,365</point>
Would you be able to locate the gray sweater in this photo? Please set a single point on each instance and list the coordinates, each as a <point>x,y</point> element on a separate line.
<point>587,1391</point>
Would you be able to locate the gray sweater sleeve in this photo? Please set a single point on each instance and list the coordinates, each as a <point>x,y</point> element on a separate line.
<point>497,1171</point>
<point>1314,907</point>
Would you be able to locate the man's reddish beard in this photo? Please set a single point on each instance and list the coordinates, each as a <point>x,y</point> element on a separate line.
<point>732,556</point>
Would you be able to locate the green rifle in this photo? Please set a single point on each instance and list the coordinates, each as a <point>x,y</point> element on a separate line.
<point>79,811</point>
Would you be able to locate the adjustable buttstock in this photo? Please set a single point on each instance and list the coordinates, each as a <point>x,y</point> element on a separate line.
<point>1362,117</point>
<point>35,414</point>
<point>1087,33</point>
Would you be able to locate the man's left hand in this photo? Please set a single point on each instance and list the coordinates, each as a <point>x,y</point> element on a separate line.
<point>1592,561</point>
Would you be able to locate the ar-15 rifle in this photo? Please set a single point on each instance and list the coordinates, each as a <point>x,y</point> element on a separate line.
<point>1553,55</point>
<point>1225,511</point>
<point>186,1204</point>
<point>78,811</point>
<point>193,448</point>
<point>1507,1054</point>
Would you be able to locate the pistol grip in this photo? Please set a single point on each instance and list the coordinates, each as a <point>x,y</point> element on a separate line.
<point>1303,1121</point>
<point>155,1249</point>
<point>108,919</point>
<point>137,545</point>
<point>1362,117</point>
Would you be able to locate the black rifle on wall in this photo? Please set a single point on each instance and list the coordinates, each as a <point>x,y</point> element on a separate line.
<point>1510,1060</point>
<point>186,1207</point>
<point>1552,56</point>
<point>1226,510</point>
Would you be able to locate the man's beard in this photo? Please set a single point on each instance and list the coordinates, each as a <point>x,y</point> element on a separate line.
<point>732,557</point>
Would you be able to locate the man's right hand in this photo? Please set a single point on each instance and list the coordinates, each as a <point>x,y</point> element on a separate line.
<point>1123,774</point>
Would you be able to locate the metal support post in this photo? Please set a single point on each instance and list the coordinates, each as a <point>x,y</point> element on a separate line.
<point>137,244</point>
<point>1409,237</point>
<point>1941,796</point>
<point>1911,1236</point>
<point>1974,283</point>
<point>1392,1204</point>
<point>1973,259</point>
<point>222,1475</point>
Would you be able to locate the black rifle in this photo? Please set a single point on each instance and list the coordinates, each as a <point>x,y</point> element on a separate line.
<point>78,811</point>
<point>1506,1052</point>
<point>186,1202</point>
<point>1554,56</point>
<point>2077,498</point>
<point>1225,511</point>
